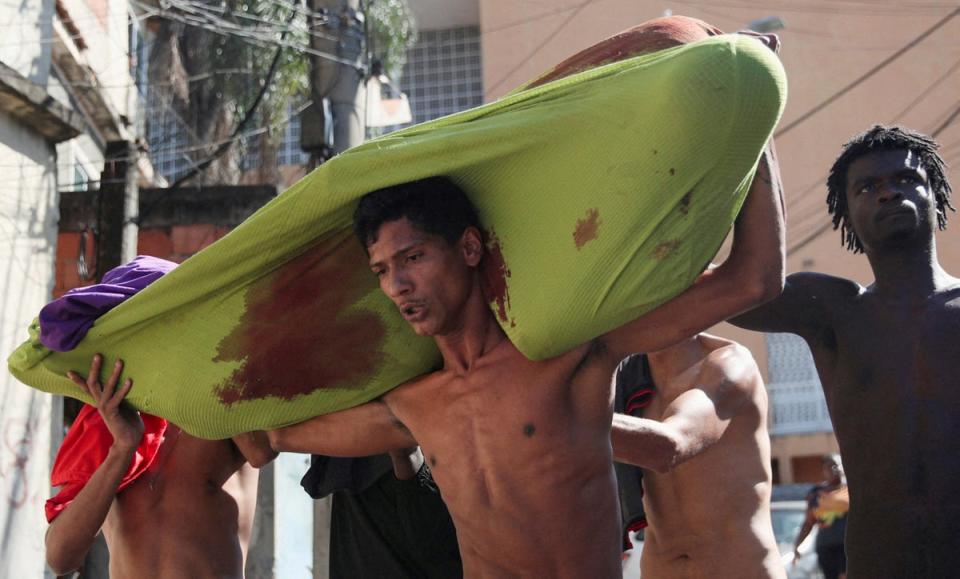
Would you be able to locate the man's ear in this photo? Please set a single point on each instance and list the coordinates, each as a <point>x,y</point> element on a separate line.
<point>471,246</point>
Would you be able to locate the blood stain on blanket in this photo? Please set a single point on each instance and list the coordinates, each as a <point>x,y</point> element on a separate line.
<point>661,251</point>
<point>685,202</point>
<point>495,274</point>
<point>586,229</point>
<point>296,337</point>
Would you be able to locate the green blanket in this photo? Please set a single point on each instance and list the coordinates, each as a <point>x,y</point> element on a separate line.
<point>603,195</point>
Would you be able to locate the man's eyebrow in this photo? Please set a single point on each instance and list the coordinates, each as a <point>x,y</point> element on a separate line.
<point>400,251</point>
<point>861,181</point>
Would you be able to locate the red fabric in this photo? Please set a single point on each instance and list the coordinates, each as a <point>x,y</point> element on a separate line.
<point>639,400</point>
<point>85,448</point>
<point>651,36</point>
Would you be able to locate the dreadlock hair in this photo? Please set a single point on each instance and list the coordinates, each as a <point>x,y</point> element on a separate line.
<point>435,205</point>
<point>884,138</point>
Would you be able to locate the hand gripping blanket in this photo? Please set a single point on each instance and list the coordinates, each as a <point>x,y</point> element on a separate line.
<point>603,194</point>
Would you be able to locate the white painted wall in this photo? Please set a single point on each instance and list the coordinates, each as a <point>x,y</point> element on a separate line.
<point>25,32</point>
<point>106,52</point>
<point>28,228</point>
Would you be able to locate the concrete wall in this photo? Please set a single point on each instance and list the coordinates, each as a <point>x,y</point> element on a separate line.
<point>28,225</point>
<point>25,40</point>
<point>102,25</point>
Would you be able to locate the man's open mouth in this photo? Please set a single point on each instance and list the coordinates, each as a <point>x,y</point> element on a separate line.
<point>411,309</point>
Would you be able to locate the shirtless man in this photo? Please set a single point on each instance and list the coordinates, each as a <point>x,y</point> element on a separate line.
<point>188,515</point>
<point>519,448</point>
<point>705,451</point>
<point>888,356</point>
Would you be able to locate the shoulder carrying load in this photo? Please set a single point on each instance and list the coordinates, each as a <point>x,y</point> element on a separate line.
<point>603,194</point>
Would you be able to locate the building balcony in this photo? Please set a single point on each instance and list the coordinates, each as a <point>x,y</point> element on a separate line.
<point>798,408</point>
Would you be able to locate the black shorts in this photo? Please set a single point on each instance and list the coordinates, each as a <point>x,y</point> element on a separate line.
<point>832,560</point>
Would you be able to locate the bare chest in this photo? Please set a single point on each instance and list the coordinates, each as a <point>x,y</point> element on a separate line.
<point>893,389</point>
<point>498,437</point>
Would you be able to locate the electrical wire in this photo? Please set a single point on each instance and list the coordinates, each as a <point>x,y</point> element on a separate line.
<point>858,81</point>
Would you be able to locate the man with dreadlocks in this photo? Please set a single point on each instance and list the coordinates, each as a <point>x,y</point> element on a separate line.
<point>888,355</point>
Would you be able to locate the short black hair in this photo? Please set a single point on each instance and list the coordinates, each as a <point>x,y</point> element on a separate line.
<point>435,205</point>
<point>885,138</point>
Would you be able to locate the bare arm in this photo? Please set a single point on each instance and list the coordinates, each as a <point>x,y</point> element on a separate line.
<point>803,308</point>
<point>72,533</point>
<point>695,420</point>
<point>406,462</point>
<point>803,532</point>
<point>364,430</point>
<point>753,274</point>
<point>255,447</point>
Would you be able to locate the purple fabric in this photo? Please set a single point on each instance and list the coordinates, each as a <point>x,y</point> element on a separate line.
<point>65,321</point>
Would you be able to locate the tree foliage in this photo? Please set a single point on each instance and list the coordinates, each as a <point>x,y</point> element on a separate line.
<point>213,55</point>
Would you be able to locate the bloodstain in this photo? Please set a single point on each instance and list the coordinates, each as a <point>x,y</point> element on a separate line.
<point>685,203</point>
<point>495,274</point>
<point>672,171</point>
<point>586,229</point>
<point>295,337</point>
<point>664,249</point>
<point>651,36</point>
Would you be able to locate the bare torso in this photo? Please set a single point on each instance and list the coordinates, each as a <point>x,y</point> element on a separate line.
<point>189,515</point>
<point>521,451</point>
<point>891,375</point>
<point>709,517</point>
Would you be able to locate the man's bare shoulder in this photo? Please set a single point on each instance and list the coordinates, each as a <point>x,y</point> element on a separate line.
<point>821,285</point>
<point>728,368</point>
<point>414,389</point>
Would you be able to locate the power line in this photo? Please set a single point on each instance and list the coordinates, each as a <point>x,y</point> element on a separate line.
<point>274,65</point>
<point>833,8</point>
<point>795,205</point>
<point>867,74</point>
<point>946,123</point>
<point>829,224</point>
<point>225,28</point>
<point>926,92</point>
<point>540,46</point>
<point>533,18</point>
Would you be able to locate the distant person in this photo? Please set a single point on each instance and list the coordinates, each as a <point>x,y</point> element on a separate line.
<point>888,355</point>
<point>827,507</point>
<point>703,446</point>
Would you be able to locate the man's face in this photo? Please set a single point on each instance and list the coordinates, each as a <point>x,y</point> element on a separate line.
<point>889,199</point>
<point>427,278</point>
<point>831,471</point>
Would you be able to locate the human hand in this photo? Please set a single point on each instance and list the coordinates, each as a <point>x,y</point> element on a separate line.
<point>123,422</point>
<point>771,41</point>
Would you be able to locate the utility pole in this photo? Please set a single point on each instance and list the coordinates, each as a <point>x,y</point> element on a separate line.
<point>117,206</point>
<point>340,32</point>
<point>333,123</point>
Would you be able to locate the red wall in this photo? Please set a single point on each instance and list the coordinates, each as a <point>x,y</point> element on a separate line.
<point>175,243</point>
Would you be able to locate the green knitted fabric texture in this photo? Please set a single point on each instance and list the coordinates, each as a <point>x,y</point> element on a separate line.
<point>603,195</point>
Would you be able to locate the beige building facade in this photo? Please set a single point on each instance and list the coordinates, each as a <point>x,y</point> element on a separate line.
<point>850,64</point>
